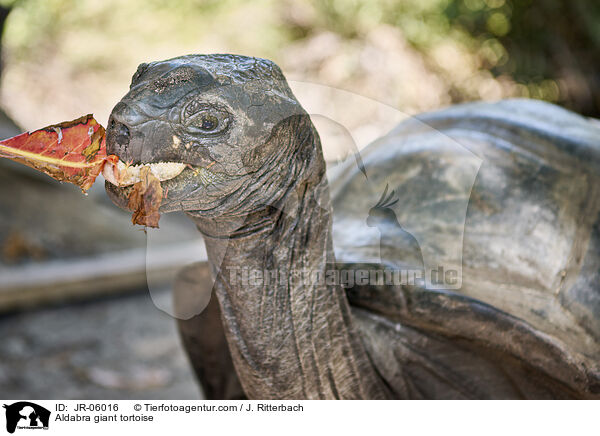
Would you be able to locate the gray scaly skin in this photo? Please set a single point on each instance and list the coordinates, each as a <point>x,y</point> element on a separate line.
<point>256,189</point>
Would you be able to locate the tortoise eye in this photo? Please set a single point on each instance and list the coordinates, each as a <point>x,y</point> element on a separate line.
<point>209,122</point>
<point>204,118</point>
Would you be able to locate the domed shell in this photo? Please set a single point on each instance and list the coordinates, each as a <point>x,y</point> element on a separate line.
<point>503,200</point>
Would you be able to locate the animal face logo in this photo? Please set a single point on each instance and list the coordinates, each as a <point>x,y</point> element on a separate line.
<point>26,415</point>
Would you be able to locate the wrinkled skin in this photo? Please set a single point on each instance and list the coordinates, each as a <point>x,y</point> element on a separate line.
<point>257,191</point>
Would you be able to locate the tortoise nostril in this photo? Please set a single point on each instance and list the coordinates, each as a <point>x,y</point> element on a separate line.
<point>120,132</point>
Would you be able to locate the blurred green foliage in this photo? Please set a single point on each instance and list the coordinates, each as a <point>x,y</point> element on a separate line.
<point>110,29</point>
<point>549,48</point>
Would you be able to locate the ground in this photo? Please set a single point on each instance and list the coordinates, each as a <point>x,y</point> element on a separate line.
<point>117,348</point>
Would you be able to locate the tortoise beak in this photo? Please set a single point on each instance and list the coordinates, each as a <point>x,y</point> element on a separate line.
<point>118,195</point>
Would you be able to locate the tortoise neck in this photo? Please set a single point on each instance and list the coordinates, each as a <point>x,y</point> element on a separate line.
<point>290,335</point>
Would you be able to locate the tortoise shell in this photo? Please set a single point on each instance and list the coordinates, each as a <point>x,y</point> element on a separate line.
<point>506,197</point>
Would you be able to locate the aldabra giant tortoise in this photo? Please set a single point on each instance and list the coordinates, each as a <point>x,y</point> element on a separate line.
<point>506,196</point>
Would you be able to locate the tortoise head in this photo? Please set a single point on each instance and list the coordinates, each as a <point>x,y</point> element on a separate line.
<point>229,125</point>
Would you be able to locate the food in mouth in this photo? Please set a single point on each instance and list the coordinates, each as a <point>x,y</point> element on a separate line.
<point>75,152</point>
<point>72,151</point>
<point>147,193</point>
<point>145,199</point>
<point>121,174</point>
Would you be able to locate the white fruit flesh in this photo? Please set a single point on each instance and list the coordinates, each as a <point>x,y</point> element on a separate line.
<point>123,175</point>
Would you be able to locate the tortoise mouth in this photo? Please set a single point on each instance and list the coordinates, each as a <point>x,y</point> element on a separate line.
<point>122,174</point>
<point>121,178</point>
<point>185,186</point>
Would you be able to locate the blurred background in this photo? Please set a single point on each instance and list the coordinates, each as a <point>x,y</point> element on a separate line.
<point>415,55</point>
<point>84,335</point>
